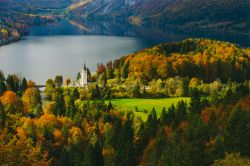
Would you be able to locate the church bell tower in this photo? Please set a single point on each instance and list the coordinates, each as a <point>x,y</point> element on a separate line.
<point>84,76</point>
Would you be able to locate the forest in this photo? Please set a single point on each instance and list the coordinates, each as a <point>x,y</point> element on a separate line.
<point>17,18</point>
<point>68,125</point>
<point>216,15</point>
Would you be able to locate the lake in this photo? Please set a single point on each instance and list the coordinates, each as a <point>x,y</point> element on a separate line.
<point>62,47</point>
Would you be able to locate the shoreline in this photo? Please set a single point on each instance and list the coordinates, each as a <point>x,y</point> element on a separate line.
<point>181,29</point>
<point>10,42</point>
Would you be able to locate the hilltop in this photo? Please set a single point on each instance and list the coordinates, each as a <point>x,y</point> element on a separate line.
<point>203,58</point>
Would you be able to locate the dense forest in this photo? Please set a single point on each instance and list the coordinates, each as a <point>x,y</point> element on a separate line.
<point>67,125</point>
<point>205,59</point>
<point>16,18</point>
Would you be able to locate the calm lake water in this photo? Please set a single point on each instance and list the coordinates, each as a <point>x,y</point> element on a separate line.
<point>61,48</point>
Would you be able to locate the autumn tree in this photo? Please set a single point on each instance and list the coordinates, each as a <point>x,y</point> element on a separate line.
<point>10,101</point>
<point>58,81</point>
<point>117,75</point>
<point>32,101</point>
<point>31,84</point>
<point>49,89</point>
<point>67,82</point>
<point>232,159</point>
<point>100,68</point>
<point>109,70</point>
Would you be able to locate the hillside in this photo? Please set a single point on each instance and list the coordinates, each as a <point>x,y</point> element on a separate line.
<point>16,17</point>
<point>202,58</point>
<point>231,15</point>
<point>183,121</point>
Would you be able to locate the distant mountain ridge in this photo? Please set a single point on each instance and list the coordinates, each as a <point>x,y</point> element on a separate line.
<point>16,16</point>
<point>231,15</point>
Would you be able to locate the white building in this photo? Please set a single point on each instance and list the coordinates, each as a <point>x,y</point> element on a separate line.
<point>83,81</point>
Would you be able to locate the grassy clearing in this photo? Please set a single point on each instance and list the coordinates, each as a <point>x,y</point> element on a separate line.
<point>146,104</point>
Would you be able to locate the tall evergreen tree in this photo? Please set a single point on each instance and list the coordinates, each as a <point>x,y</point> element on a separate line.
<point>181,113</point>
<point>124,70</point>
<point>171,115</point>
<point>23,85</point>
<point>238,132</point>
<point>93,155</point>
<point>195,103</point>
<point>163,117</point>
<point>2,87</point>
<point>60,103</point>
<point>75,94</point>
<point>2,78</point>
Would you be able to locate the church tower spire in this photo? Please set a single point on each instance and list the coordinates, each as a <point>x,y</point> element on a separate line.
<point>83,82</point>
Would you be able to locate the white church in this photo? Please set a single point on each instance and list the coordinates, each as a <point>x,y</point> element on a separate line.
<point>83,81</point>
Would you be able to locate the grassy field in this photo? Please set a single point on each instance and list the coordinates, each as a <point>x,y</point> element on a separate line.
<point>146,104</point>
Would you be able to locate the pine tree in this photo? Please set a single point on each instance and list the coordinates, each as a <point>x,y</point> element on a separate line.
<point>78,76</point>
<point>75,95</point>
<point>2,78</point>
<point>23,85</point>
<point>2,116</point>
<point>124,70</point>
<point>93,154</point>
<point>110,106</point>
<point>238,132</point>
<point>2,87</point>
<point>104,78</point>
<point>181,112</point>
<point>163,117</point>
<point>171,115</point>
<point>195,103</point>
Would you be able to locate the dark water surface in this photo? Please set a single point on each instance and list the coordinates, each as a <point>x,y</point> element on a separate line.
<point>62,47</point>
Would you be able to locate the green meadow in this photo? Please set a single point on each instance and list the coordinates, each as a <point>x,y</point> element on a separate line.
<point>140,105</point>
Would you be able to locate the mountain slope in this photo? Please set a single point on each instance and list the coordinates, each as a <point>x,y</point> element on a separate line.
<point>228,14</point>
<point>16,16</point>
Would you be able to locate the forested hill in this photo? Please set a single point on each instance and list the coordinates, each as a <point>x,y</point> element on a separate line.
<point>203,58</point>
<point>231,15</point>
<point>29,5</point>
<point>17,16</point>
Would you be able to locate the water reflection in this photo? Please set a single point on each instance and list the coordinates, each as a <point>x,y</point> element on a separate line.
<point>151,33</point>
<point>61,48</point>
